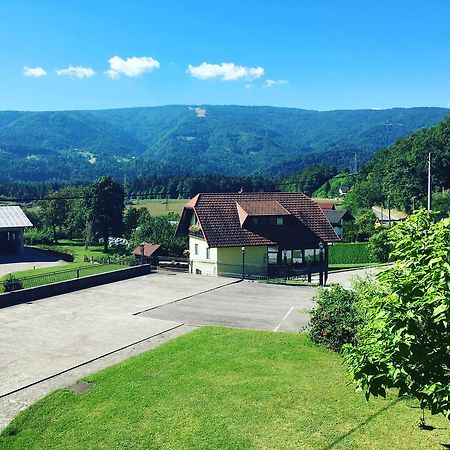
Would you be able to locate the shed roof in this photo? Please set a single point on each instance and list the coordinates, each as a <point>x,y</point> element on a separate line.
<point>222,216</point>
<point>149,249</point>
<point>13,217</point>
<point>334,216</point>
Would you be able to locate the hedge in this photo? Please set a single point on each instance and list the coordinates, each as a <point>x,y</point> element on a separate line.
<point>350,253</point>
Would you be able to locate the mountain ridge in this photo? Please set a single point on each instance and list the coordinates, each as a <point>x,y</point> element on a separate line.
<point>229,139</point>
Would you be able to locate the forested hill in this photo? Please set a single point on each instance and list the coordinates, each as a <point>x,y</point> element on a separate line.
<point>400,171</point>
<point>232,140</point>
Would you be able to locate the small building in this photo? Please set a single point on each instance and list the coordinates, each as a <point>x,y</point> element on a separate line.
<point>326,206</point>
<point>255,234</point>
<point>146,251</point>
<point>13,221</point>
<point>337,219</point>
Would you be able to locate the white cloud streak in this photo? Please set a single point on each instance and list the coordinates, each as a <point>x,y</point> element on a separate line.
<point>76,72</point>
<point>270,83</point>
<point>225,71</point>
<point>35,72</point>
<point>130,67</point>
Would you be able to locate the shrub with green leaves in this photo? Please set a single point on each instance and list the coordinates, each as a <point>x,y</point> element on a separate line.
<point>12,284</point>
<point>334,321</point>
<point>379,246</point>
<point>404,342</point>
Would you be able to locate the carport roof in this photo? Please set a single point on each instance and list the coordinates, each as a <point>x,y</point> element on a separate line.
<point>13,217</point>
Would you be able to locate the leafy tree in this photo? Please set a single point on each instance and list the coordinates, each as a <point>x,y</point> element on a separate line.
<point>380,246</point>
<point>106,206</point>
<point>54,211</point>
<point>159,230</point>
<point>441,202</point>
<point>405,340</point>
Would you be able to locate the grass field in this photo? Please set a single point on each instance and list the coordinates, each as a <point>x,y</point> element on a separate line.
<point>67,271</point>
<point>218,388</point>
<point>158,207</point>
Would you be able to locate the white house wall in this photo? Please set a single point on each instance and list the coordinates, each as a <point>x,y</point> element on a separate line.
<point>199,263</point>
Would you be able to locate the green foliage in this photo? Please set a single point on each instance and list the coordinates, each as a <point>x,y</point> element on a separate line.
<point>380,246</point>
<point>106,206</point>
<point>441,202</point>
<point>158,230</point>
<point>405,340</point>
<point>335,319</point>
<point>361,228</point>
<point>310,179</point>
<point>12,284</point>
<point>349,253</point>
<point>400,171</point>
<point>35,236</point>
<point>330,189</point>
<point>237,140</point>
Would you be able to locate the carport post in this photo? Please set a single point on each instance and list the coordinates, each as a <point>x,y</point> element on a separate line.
<point>243,262</point>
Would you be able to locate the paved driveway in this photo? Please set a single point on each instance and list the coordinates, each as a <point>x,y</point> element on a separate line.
<point>51,343</point>
<point>30,259</point>
<point>245,305</point>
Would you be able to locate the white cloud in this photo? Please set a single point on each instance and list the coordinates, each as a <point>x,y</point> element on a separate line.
<point>34,71</point>
<point>77,72</point>
<point>270,83</point>
<point>225,71</point>
<point>249,86</point>
<point>130,67</point>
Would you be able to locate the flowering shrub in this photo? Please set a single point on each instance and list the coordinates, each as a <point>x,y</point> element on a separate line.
<point>333,323</point>
<point>195,228</point>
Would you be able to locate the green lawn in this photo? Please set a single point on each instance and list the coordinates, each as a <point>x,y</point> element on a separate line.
<point>38,277</point>
<point>158,207</point>
<point>68,271</point>
<point>75,247</point>
<point>218,388</point>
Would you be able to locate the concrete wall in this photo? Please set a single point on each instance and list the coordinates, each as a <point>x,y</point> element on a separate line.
<point>199,263</point>
<point>63,287</point>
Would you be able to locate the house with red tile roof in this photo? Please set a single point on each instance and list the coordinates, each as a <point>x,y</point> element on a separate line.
<point>254,234</point>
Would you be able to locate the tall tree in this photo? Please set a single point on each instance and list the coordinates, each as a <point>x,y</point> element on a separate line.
<point>106,208</point>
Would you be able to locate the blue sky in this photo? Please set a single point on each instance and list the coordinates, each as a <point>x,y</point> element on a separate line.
<point>321,54</point>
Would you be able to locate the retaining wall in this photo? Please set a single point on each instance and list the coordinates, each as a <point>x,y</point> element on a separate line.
<point>63,287</point>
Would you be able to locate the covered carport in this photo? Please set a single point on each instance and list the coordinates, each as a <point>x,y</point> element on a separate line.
<point>13,221</point>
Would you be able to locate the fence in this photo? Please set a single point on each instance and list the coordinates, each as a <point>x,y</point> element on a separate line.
<point>277,272</point>
<point>13,283</point>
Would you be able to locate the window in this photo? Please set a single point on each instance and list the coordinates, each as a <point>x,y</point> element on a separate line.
<point>207,253</point>
<point>195,249</point>
<point>280,221</point>
<point>272,254</point>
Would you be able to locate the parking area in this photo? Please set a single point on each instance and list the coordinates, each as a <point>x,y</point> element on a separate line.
<point>51,343</point>
<point>243,305</point>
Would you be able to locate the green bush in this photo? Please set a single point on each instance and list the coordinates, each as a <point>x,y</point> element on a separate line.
<point>12,284</point>
<point>379,246</point>
<point>334,322</point>
<point>35,236</point>
<point>350,253</point>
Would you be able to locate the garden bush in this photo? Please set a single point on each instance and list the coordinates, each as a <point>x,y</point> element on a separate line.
<point>12,284</point>
<point>36,236</point>
<point>335,320</point>
<point>350,253</point>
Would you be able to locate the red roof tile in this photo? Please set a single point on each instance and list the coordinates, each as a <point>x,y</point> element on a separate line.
<point>149,249</point>
<point>221,216</point>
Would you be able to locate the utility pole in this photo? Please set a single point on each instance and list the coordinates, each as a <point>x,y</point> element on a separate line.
<point>429,182</point>
<point>389,210</point>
